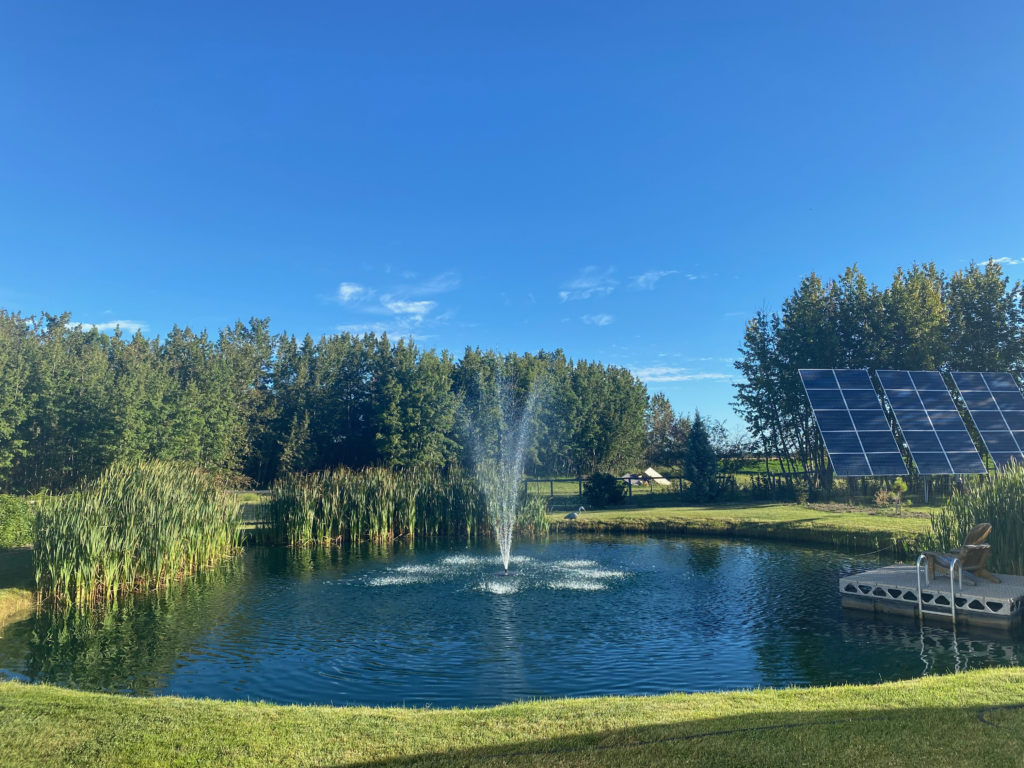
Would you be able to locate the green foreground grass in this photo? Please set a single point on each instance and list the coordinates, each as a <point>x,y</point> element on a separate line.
<point>931,721</point>
<point>789,522</point>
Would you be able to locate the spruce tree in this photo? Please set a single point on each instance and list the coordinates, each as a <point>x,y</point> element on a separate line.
<point>701,462</point>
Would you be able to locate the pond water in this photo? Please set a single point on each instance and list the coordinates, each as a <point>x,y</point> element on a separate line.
<point>433,625</point>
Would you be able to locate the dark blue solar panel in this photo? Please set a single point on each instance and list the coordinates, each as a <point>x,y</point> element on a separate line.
<point>859,398</point>
<point>903,398</point>
<point>1002,459</point>
<point>887,464</point>
<point>853,378</point>
<point>932,463</point>
<point>876,441</point>
<point>988,420</point>
<point>954,440</point>
<point>841,442</point>
<point>826,398</point>
<point>833,421</point>
<point>995,404</point>
<point>970,382</point>
<point>1001,382</point>
<point>895,379</point>
<point>1009,401</point>
<point>870,420</point>
<point>967,463</point>
<point>929,420</point>
<point>819,379</point>
<point>939,401</point>
<point>1014,419</point>
<point>852,423</point>
<point>979,401</point>
<point>922,442</point>
<point>946,419</point>
<point>999,441</point>
<point>912,419</point>
<point>850,464</point>
<point>928,380</point>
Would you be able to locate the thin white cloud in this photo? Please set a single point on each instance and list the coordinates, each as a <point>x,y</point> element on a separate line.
<point>590,282</point>
<point>647,280</point>
<point>400,307</point>
<point>443,283</point>
<point>128,326</point>
<point>597,319</point>
<point>398,302</point>
<point>663,373</point>
<point>1008,260</point>
<point>351,292</point>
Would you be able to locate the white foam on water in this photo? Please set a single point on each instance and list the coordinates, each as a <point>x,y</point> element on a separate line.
<point>390,581</point>
<point>575,564</point>
<point>466,560</point>
<point>504,587</point>
<point>419,569</point>
<point>580,584</point>
<point>596,573</point>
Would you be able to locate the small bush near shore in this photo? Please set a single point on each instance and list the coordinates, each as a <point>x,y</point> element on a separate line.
<point>15,522</point>
<point>603,490</point>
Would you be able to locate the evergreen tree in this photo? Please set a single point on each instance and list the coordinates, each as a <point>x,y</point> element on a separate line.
<point>701,462</point>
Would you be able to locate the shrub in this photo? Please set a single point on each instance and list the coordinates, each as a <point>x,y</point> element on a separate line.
<point>15,522</point>
<point>603,490</point>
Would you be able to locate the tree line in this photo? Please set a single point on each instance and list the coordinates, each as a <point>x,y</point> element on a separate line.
<point>970,320</point>
<point>250,405</point>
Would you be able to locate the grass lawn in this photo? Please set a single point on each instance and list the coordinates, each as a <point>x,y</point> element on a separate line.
<point>932,721</point>
<point>773,521</point>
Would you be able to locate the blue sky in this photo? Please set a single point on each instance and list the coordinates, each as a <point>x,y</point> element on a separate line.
<point>626,181</point>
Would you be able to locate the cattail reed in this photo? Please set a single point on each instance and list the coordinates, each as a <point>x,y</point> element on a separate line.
<point>139,526</point>
<point>997,498</point>
<point>378,504</point>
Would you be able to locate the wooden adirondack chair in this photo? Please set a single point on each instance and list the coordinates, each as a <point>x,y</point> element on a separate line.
<point>971,556</point>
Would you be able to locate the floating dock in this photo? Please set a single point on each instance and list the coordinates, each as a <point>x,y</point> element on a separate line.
<point>894,590</point>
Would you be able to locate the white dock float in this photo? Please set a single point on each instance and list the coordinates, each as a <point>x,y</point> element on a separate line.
<point>894,590</point>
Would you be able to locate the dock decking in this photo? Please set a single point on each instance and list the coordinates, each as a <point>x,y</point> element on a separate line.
<point>893,590</point>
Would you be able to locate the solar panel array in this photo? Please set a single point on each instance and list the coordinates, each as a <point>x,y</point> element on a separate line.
<point>996,405</point>
<point>939,442</point>
<point>852,423</point>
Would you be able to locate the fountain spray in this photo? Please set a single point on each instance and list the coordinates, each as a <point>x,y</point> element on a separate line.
<point>500,472</point>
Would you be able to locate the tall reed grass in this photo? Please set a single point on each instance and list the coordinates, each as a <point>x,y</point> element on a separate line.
<point>379,504</point>
<point>997,498</point>
<point>139,526</point>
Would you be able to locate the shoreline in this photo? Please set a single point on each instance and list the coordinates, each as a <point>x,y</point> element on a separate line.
<point>926,721</point>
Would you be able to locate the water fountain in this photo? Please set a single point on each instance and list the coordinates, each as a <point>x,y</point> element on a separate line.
<point>499,469</point>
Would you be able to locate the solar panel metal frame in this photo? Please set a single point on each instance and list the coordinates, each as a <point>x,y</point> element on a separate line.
<point>995,383</point>
<point>900,400</point>
<point>869,421</point>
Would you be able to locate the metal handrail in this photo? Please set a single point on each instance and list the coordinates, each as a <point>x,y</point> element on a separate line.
<point>952,588</point>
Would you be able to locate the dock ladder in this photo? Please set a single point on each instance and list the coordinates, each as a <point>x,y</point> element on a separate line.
<point>955,568</point>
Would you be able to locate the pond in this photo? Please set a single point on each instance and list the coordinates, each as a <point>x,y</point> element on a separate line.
<point>433,625</point>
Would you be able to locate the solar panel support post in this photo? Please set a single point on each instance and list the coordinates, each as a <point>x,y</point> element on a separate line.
<point>925,489</point>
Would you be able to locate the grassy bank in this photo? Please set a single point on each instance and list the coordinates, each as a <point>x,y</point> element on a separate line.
<point>788,522</point>
<point>932,721</point>
<point>15,604</point>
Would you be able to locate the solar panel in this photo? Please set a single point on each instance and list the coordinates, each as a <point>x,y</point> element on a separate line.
<point>852,423</point>
<point>997,408</point>
<point>938,441</point>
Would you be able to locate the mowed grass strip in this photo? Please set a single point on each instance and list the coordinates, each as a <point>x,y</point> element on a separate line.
<point>789,522</point>
<point>931,721</point>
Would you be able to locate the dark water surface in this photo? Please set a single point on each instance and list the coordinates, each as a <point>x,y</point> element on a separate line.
<point>589,615</point>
